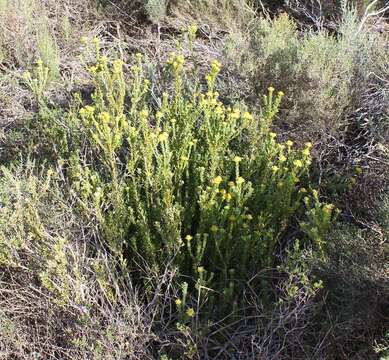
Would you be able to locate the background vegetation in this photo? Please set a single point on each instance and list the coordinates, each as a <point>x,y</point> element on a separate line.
<point>194,179</point>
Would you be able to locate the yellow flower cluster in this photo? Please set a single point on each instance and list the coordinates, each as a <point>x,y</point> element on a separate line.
<point>105,117</point>
<point>217,180</point>
<point>176,61</point>
<point>87,111</point>
<point>240,180</point>
<point>163,136</point>
<point>282,158</point>
<point>214,228</point>
<point>247,116</point>
<point>190,312</point>
<point>298,163</point>
<point>215,67</point>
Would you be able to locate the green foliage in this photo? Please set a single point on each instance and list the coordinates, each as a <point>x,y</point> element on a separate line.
<point>48,135</point>
<point>49,52</point>
<point>204,184</point>
<point>156,10</point>
<point>26,202</point>
<point>66,27</point>
<point>299,279</point>
<point>131,186</point>
<point>322,74</point>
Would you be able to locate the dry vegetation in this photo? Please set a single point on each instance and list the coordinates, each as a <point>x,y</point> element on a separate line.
<point>194,179</point>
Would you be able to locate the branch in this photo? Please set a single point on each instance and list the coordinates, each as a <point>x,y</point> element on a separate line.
<point>369,14</point>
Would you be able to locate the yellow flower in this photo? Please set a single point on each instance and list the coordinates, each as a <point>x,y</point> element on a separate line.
<point>308,145</point>
<point>172,56</point>
<point>104,60</point>
<point>298,163</point>
<point>235,114</point>
<point>144,113</point>
<point>280,184</point>
<point>282,158</point>
<point>188,238</point>
<point>281,93</point>
<point>200,269</point>
<point>328,208</point>
<point>26,75</point>
<point>96,41</point>
<point>240,180</point>
<point>237,159</point>
<point>247,116</point>
<point>271,89</point>
<point>289,143</point>
<point>306,152</point>
<point>184,158</point>
<point>216,66</point>
<point>223,191</point>
<point>249,217</point>
<point>192,29</point>
<point>274,168</point>
<point>93,70</point>
<point>82,112</point>
<point>272,135</point>
<point>228,197</point>
<point>87,110</point>
<point>163,136</point>
<point>217,180</point>
<point>231,184</point>
<point>219,111</point>
<point>117,65</point>
<point>105,117</point>
<point>214,228</point>
<point>303,190</point>
<point>135,69</point>
<point>178,302</point>
<point>190,312</point>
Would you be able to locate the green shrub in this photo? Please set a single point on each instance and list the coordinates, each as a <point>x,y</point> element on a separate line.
<point>49,51</point>
<point>28,239</point>
<point>156,10</point>
<point>52,276</point>
<point>194,182</point>
<point>325,76</point>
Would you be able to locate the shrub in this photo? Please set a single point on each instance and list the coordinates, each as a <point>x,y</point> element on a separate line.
<point>56,287</point>
<point>194,182</point>
<point>354,273</point>
<point>321,73</point>
<point>156,10</point>
<point>49,52</point>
